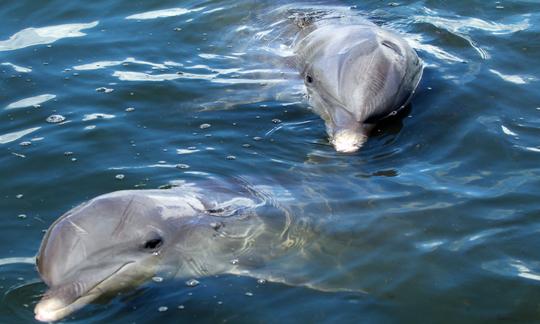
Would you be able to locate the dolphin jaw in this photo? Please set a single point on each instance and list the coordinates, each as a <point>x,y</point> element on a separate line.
<point>49,310</point>
<point>348,141</point>
<point>52,308</point>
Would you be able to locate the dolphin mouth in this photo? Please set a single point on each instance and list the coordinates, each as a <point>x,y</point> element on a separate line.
<point>52,307</point>
<point>348,141</point>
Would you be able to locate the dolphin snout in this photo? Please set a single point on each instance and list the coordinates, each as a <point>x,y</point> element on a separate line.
<point>61,301</point>
<point>348,141</point>
<point>50,310</point>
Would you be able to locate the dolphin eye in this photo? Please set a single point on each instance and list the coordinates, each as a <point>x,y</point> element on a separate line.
<point>153,244</point>
<point>309,79</point>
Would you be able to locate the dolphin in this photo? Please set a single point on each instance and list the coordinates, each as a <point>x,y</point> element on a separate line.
<point>117,241</point>
<point>355,72</point>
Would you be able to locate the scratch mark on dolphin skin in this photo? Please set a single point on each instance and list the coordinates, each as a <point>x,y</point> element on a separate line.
<point>78,243</point>
<point>78,228</point>
<point>123,220</point>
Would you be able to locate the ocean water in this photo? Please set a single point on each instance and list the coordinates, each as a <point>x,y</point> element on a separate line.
<point>436,219</point>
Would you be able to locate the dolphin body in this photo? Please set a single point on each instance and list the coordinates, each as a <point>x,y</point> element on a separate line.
<point>355,72</point>
<point>117,241</point>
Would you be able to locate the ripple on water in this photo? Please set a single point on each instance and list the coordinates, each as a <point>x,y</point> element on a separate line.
<point>22,298</point>
<point>432,200</point>
<point>514,268</point>
<point>476,239</point>
<point>24,290</point>
<point>461,26</point>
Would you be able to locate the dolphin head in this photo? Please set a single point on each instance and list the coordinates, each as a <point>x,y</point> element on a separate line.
<point>356,75</point>
<point>111,243</point>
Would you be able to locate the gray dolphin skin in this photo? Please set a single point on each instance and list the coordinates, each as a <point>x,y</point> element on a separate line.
<point>119,240</point>
<point>356,74</point>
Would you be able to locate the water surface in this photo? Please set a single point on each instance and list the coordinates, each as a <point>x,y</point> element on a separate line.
<point>436,218</point>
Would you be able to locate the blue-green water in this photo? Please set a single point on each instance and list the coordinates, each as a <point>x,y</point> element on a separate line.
<point>436,218</point>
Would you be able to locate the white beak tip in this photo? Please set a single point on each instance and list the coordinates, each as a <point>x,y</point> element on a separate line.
<point>348,141</point>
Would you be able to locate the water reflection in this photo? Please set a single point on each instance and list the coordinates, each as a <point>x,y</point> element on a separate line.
<point>516,79</point>
<point>514,268</point>
<point>17,68</point>
<point>462,26</point>
<point>105,64</point>
<point>44,35</point>
<point>439,207</point>
<point>11,137</point>
<point>31,102</point>
<point>163,13</point>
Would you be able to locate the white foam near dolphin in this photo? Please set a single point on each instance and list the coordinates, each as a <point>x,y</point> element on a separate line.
<point>356,74</point>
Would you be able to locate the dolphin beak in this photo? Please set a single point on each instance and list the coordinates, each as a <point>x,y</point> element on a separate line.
<point>348,141</point>
<point>60,302</point>
<point>51,309</point>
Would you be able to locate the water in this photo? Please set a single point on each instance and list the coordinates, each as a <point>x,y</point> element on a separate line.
<point>436,218</point>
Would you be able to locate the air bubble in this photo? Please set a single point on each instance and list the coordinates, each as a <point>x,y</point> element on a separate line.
<point>104,90</point>
<point>53,119</point>
<point>192,283</point>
